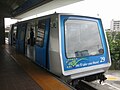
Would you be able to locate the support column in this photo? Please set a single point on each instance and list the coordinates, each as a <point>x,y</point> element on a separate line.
<point>2,31</point>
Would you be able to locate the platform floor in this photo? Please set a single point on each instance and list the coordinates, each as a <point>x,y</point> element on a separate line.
<point>12,76</point>
<point>17,72</point>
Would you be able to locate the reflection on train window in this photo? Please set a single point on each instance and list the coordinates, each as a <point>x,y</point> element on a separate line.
<point>31,33</point>
<point>82,38</point>
<point>40,33</point>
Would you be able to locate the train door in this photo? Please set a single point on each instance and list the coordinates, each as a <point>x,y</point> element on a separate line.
<point>12,35</point>
<point>21,38</point>
<point>41,47</point>
<point>30,40</point>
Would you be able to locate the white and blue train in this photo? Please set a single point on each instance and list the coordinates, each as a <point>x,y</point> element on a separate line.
<point>70,46</point>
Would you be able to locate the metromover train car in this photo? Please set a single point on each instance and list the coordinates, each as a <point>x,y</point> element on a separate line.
<point>70,46</point>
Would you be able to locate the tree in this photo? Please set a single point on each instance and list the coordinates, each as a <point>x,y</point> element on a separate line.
<point>114,44</point>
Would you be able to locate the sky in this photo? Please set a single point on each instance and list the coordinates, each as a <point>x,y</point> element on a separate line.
<point>104,9</point>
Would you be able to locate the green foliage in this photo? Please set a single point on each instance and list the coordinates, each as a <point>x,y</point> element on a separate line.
<point>114,44</point>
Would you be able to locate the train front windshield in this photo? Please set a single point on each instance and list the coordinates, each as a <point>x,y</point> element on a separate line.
<point>82,38</point>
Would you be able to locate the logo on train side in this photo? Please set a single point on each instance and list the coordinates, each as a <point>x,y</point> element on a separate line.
<point>71,63</point>
<point>74,62</point>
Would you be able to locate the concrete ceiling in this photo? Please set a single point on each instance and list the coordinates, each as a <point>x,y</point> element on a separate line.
<point>11,8</point>
<point>7,6</point>
<point>25,8</point>
<point>53,4</point>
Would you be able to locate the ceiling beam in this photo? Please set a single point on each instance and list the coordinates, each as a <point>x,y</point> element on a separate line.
<point>28,5</point>
<point>46,7</point>
<point>5,11</point>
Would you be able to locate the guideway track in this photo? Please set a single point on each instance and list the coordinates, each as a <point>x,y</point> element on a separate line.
<point>84,85</point>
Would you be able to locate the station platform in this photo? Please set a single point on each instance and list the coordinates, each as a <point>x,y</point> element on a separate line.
<point>17,72</point>
<point>113,79</point>
<point>112,82</point>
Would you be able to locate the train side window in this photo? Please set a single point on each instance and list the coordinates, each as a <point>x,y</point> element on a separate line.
<point>40,33</point>
<point>14,34</point>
